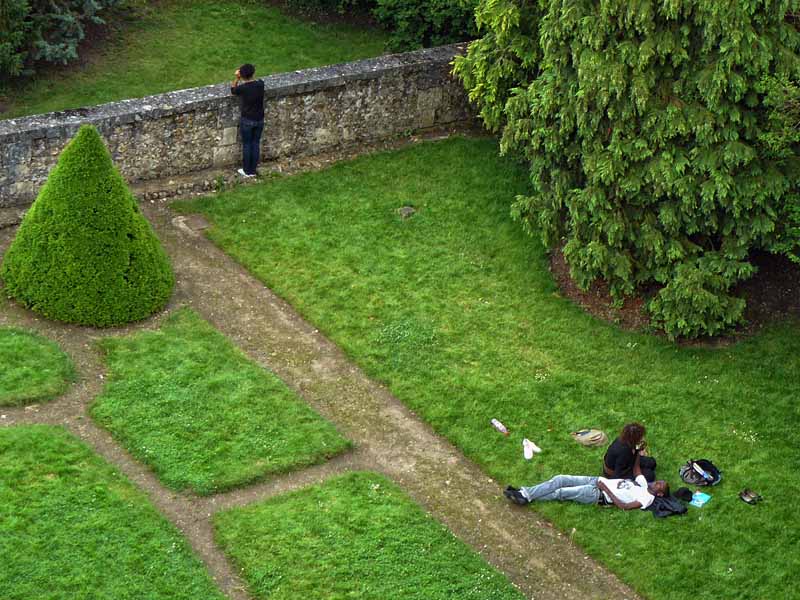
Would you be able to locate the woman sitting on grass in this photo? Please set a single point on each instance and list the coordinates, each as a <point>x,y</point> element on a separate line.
<point>623,451</point>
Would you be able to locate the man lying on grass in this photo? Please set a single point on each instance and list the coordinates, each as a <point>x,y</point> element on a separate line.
<point>623,493</point>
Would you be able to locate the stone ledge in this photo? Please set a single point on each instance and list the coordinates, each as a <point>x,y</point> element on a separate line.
<point>67,122</point>
<point>306,113</point>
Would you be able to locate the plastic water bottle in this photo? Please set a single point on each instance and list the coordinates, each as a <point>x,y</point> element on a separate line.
<point>499,426</point>
<point>702,472</point>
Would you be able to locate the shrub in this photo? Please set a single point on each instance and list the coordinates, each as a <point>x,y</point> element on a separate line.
<point>411,23</point>
<point>84,253</point>
<point>424,23</point>
<point>647,131</point>
<point>48,31</point>
<point>329,6</point>
<point>13,32</point>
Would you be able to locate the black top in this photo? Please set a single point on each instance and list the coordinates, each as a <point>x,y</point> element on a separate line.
<point>620,458</point>
<point>252,99</point>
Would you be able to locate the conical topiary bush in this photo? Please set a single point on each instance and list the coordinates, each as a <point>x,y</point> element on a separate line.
<point>84,253</point>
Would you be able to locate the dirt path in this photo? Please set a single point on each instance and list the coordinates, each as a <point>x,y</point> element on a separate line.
<point>389,438</point>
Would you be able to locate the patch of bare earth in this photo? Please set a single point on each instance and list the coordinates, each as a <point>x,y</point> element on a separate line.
<point>772,295</point>
<point>597,299</point>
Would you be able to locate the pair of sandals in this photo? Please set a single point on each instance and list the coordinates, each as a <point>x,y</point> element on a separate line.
<point>750,496</point>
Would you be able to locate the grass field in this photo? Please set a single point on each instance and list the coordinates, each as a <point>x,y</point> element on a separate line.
<point>456,311</point>
<point>356,536</point>
<point>186,402</point>
<point>181,44</point>
<point>72,527</point>
<point>34,369</point>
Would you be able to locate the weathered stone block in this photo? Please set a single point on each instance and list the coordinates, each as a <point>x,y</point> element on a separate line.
<point>428,102</point>
<point>229,135</point>
<point>226,155</point>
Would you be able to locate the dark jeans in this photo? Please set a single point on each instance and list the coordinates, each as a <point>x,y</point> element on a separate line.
<point>251,144</point>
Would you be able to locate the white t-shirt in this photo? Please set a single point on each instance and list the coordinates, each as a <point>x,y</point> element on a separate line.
<point>629,491</point>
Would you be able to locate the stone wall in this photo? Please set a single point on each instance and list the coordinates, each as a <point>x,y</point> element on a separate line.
<point>306,113</point>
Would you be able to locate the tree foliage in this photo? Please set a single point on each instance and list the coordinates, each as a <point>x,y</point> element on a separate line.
<point>658,154</point>
<point>84,253</point>
<point>329,6</point>
<point>411,24</point>
<point>34,31</point>
<point>13,32</point>
<point>783,141</point>
<point>415,23</point>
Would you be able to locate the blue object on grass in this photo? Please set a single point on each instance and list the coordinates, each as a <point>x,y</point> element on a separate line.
<point>699,499</point>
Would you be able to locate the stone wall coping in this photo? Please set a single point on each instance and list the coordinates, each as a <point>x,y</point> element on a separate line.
<point>54,124</point>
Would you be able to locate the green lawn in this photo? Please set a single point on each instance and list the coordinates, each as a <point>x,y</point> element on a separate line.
<point>182,44</point>
<point>33,368</point>
<point>355,536</point>
<point>72,527</point>
<point>188,403</point>
<point>456,311</point>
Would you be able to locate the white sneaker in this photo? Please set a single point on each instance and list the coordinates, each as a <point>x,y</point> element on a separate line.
<point>528,449</point>
<point>242,173</point>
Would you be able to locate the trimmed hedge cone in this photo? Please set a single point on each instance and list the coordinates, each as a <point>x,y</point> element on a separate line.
<point>84,253</point>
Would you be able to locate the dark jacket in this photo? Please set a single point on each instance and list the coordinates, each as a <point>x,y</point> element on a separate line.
<point>251,94</point>
<point>667,506</point>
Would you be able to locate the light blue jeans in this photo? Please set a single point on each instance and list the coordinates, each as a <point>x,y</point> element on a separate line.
<point>577,488</point>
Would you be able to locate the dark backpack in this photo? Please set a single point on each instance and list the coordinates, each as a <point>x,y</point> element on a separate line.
<point>692,472</point>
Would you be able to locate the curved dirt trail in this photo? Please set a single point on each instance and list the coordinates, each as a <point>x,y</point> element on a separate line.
<point>389,438</point>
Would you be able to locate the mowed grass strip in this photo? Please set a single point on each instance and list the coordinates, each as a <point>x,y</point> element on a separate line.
<point>180,44</point>
<point>188,403</point>
<point>32,368</point>
<point>72,527</point>
<point>355,536</point>
<point>455,309</point>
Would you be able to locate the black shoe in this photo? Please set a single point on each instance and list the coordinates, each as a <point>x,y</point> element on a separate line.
<point>515,496</point>
<point>750,496</point>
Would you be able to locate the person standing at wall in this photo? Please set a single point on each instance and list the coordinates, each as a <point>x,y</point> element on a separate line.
<point>251,124</point>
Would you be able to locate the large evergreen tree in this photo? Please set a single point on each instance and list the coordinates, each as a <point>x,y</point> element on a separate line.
<point>84,253</point>
<point>650,130</point>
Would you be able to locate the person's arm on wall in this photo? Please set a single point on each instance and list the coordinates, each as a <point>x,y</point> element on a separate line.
<point>617,502</point>
<point>235,84</point>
